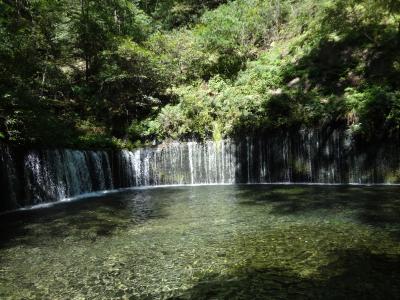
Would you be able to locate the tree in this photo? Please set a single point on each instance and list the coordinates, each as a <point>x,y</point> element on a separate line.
<point>393,6</point>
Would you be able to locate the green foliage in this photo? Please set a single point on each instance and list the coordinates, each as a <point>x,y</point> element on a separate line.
<point>311,64</point>
<point>112,74</point>
<point>64,62</point>
<point>223,40</point>
<point>169,14</point>
<point>374,110</point>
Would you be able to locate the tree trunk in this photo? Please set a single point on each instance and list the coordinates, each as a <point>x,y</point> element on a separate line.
<point>398,34</point>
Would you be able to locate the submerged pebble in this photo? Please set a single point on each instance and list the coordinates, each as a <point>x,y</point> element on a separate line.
<point>208,242</point>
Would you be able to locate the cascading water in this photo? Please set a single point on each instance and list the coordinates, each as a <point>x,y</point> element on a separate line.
<point>178,163</point>
<point>308,156</point>
<point>51,175</point>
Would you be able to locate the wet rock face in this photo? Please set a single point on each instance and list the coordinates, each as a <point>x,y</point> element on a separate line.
<point>38,176</point>
<point>9,178</point>
<point>57,174</point>
<point>306,156</point>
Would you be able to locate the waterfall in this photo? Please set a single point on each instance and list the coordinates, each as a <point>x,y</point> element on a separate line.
<point>51,175</point>
<point>308,156</point>
<point>178,163</point>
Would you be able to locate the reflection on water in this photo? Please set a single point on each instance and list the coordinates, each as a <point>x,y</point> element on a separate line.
<point>208,242</point>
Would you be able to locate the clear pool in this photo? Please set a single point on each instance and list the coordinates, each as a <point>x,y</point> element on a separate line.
<point>208,242</point>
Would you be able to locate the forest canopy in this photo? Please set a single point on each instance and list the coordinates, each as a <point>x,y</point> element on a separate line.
<point>115,74</point>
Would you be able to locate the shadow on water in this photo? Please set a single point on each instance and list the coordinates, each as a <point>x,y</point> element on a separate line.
<point>353,274</point>
<point>377,206</point>
<point>86,219</point>
<point>261,261</point>
<point>93,218</point>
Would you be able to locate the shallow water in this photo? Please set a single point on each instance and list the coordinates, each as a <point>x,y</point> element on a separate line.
<point>208,242</point>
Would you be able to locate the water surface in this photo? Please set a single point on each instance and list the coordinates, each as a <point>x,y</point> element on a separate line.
<point>208,242</point>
